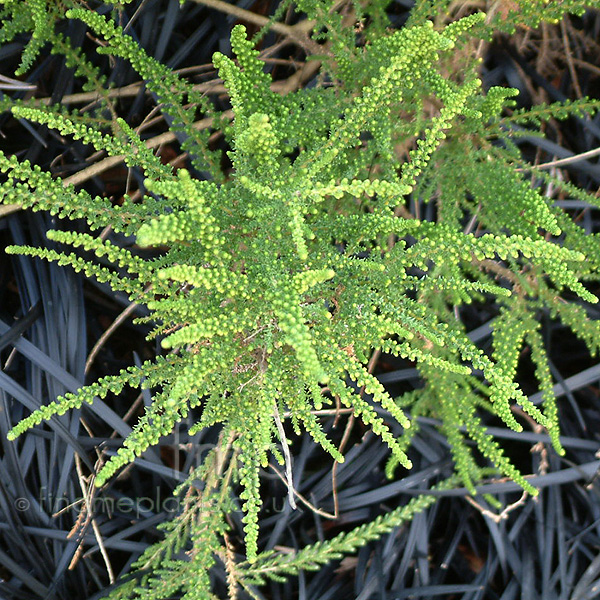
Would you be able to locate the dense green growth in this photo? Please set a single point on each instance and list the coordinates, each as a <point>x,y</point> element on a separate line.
<point>278,281</point>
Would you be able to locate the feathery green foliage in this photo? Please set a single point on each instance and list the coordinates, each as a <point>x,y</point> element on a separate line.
<point>278,282</point>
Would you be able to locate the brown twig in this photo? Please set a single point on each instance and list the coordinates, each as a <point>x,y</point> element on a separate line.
<point>297,33</point>
<point>88,493</point>
<point>287,456</point>
<point>109,331</point>
<point>498,517</point>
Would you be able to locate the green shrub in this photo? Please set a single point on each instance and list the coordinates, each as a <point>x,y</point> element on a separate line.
<point>276,283</point>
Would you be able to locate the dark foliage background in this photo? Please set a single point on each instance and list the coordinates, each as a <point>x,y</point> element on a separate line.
<point>59,331</point>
